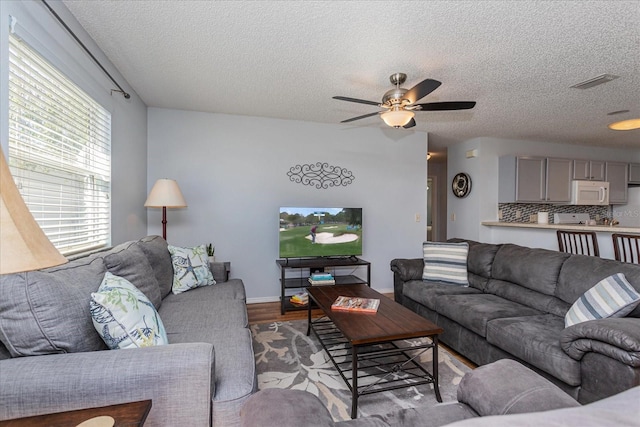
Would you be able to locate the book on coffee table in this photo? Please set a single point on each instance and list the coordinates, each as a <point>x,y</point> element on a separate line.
<point>366,305</point>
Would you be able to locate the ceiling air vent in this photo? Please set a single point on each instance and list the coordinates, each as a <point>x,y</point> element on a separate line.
<point>595,81</point>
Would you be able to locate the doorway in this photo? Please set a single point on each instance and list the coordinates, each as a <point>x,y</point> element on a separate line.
<point>432,210</point>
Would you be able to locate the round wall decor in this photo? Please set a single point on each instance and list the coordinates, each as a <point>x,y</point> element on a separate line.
<point>461,185</point>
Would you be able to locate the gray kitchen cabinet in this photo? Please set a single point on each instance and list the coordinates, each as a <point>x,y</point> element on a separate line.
<point>534,180</point>
<point>634,173</point>
<point>558,181</point>
<point>617,173</point>
<point>591,170</point>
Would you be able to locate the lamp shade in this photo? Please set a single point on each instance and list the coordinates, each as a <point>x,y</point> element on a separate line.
<point>397,118</point>
<point>165,193</point>
<point>23,244</point>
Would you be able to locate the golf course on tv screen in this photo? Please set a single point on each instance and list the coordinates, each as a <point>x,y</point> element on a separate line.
<point>320,232</point>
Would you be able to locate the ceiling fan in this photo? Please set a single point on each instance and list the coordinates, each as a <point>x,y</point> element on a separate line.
<point>399,103</point>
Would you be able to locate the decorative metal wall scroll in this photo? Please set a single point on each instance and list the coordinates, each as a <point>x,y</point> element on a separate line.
<point>461,185</point>
<point>320,175</point>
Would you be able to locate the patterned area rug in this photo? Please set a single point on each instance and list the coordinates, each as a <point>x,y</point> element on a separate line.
<point>287,358</point>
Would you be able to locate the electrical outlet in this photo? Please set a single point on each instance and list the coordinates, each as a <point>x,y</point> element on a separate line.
<point>453,217</point>
<point>417,217</point>
<point>518,214</point>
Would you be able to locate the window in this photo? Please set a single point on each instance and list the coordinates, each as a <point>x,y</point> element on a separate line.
<point>59,152</point>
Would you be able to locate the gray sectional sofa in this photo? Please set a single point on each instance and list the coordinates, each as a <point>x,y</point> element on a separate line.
<point>53,360</point>
<point>515,307</point>
<point>485,399</point>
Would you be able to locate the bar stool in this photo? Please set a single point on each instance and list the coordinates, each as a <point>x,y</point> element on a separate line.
<point>578,242</point>
<point>626,247</point>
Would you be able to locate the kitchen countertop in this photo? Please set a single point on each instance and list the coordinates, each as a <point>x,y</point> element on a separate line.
<point>577,227</point>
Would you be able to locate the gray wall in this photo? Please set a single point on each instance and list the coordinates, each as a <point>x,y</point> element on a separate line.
<point>482,202</point>
<point>40,29</point>
<point>233,173</point>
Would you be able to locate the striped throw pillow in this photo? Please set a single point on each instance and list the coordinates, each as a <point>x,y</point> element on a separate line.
<point>445,262</point>
<point>610,297</point>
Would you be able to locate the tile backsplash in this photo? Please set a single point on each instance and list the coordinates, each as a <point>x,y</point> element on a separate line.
<point>510,211</point>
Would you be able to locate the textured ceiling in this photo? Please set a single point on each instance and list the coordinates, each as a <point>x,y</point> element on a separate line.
<point>286,59</point>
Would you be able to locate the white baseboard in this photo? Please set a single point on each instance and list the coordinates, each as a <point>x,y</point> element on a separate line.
<point>277,298</point>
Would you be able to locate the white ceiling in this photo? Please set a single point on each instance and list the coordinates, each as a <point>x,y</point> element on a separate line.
<point>286,59</point>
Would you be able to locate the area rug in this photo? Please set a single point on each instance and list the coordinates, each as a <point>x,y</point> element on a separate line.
<point>287,358</point>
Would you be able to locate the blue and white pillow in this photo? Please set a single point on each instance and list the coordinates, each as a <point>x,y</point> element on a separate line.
<point>124,317</point>
<point>445,262</point>
<point>610,297</point>
<point>190,268</point>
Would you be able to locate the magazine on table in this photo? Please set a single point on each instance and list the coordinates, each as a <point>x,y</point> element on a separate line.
<point>367,305</point>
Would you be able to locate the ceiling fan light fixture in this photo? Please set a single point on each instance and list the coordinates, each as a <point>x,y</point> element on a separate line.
<point>626,124</point>
<point>397,118</point>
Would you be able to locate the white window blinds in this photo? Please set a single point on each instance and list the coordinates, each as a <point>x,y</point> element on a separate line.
<point>59,152</point>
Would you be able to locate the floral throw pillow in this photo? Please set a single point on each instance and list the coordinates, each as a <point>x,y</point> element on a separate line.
<point>124,317</point>
<point>190,268</point>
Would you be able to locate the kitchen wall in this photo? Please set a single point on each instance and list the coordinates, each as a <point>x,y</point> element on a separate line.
<point>233,173</point>
<point>465,215</point>
<point>36,26</point>
<point>629,215</point>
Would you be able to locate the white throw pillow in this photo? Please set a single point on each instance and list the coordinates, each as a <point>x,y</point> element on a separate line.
<point>124,317</point>
<point>190,268</point>
<point>446,262</point>
<point>610,297</point>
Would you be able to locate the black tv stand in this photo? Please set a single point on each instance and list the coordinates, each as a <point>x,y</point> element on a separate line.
<point>294,282</point>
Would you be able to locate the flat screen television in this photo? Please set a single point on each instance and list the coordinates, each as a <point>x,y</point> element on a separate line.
<point>307,232</point>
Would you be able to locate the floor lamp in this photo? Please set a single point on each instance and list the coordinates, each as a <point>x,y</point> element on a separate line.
<point>23,244</point>
<point>165,194</point>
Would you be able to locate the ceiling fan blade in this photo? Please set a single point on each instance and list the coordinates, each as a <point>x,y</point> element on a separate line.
<point>443,106</point>
<point>421,90</point>
<point>359,117</point>
<point>411,124</point>
<point>359,101</point>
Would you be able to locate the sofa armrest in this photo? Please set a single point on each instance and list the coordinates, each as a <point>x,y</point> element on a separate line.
<point>485,390</point>
<point>408,269</point>
<point>405,270</point>
<point>613,337</point>
<point>220,270</point>
<point>178,378</point>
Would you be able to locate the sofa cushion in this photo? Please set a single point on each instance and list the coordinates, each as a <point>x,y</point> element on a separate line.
<point>426,293</point>
<point>47,311</point>
<point>190,268</point>
<point>580,273</point>
<point>525,296</point>
<point>610,297</point>
<point>445,262</point>
<point>479,261</point>
<point>485,390</point>
<point>130,263</point>
<point>283,407</point>
<point>157,252</point>
<point>206,307</point>
<point>535,269</point>
<point>124,317</point>
<point>473,311</point>
<point>536,340</point>
<point>618,410</point>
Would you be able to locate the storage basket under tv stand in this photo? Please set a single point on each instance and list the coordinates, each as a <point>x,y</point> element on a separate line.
<point>297,282</point>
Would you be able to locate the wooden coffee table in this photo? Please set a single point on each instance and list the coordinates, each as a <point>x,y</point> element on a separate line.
<point>126,414</point>
<point>360,343</point>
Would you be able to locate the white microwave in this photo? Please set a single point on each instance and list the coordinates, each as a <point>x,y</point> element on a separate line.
<point>590,193</point>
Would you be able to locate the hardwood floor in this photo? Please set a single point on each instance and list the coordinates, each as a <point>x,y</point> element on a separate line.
<point>270,312</point>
